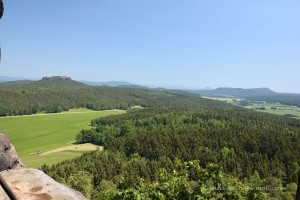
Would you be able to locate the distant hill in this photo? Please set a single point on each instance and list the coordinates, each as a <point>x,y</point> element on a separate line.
<point>58,81</point>
<point>255,94</point>
<point>132,86</point>
<point>108,83</point>
<point>8,78</point>
<point>234,92</point>
<point>56,94</point>
<point>120,84</point>
<point>52,81</point>
<point>16,83</point>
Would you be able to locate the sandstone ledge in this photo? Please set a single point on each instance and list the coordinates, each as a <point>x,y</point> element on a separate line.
<point>33,184</point>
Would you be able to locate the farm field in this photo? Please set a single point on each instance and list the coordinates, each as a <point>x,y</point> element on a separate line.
<point>54,156</point>
<point>34,135</point>
<point>276,108</point>
<point>273,108</point>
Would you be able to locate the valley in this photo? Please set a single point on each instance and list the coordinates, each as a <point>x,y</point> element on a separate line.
<point>111,142</point>
<point>150,100</point>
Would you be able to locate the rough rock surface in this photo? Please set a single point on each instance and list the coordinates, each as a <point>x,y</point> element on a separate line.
<point>8,156</point>
<point>33,184</point>
<point>29,184</point>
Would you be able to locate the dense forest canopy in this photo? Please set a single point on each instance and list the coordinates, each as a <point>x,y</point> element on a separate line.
<point>174,145</point>
<point>257,149</point>
<point>251,139</point>
<point>30,97</point>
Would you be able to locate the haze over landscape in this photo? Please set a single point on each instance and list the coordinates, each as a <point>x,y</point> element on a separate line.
<point>190,44</point>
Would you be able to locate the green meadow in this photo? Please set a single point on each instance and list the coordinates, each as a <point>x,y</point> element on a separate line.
<point>34,135</point>
<point>276,108</point>
<point>273,108</point>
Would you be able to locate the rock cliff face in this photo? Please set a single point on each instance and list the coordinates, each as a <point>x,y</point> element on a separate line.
<point>8,156</point>
<point>29,184</point>
<point>1,8</point>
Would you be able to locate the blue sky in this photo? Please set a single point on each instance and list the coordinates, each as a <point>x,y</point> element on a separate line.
<point>191,43</point>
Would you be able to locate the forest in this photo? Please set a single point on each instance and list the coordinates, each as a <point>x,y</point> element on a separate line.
<point>217,145</point>
<point>240,144</point>
<point>52,96</point>
<point>168,145</point>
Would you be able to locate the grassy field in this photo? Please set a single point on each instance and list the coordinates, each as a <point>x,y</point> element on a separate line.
<point>226,99</point>
<point>35,160</point>
<point>278,108</point>
<point>34,135</point>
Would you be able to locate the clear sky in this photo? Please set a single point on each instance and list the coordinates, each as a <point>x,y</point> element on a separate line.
<point>190,43</point>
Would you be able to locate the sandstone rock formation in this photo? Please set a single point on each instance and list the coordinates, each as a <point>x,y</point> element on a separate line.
<point>33,184</point>
<point>8,156</point>
<point>29,184</point>
<point>63,78</point>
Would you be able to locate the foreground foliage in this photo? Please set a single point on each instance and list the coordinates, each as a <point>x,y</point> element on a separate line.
<point>110,175</point>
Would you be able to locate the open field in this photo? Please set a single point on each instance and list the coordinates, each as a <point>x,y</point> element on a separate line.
<point>56,155</point>
<point>278,108</point>
<point>35,134</point>
<point>226,99</point>
<point>274,108</point>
